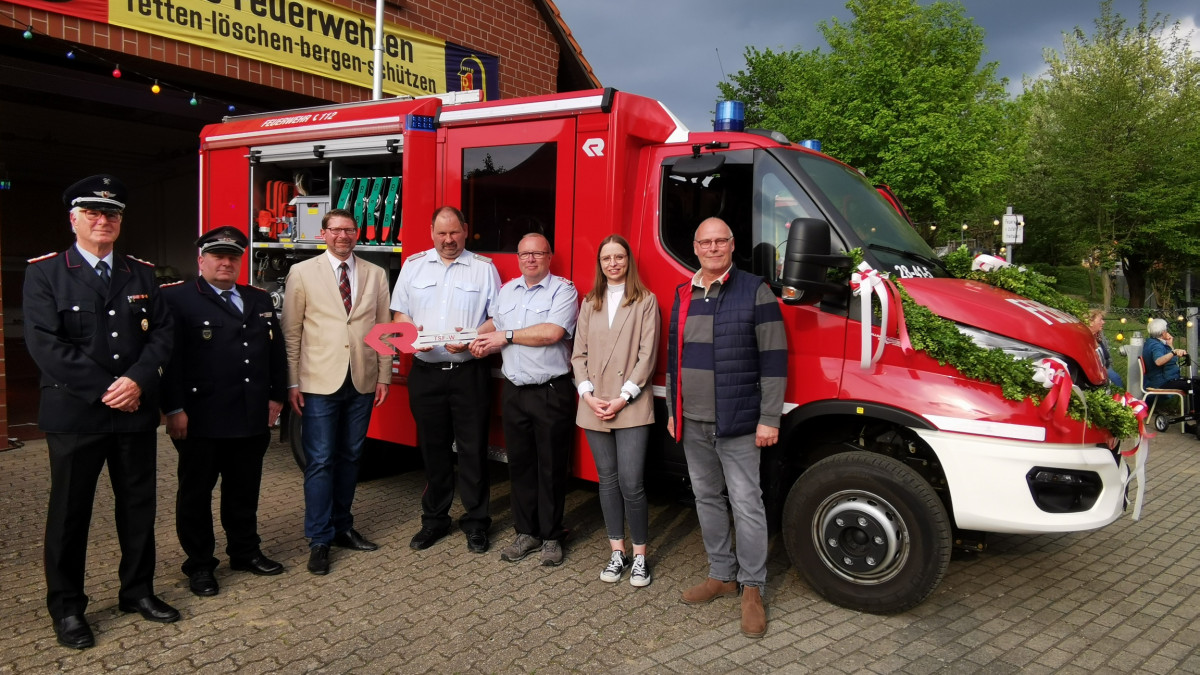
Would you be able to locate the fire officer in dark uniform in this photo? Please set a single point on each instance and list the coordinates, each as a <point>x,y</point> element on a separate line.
<point>222,392</point>
<point>100,332</point>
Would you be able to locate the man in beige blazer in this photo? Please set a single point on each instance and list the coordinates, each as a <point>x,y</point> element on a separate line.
<point>334,378</point>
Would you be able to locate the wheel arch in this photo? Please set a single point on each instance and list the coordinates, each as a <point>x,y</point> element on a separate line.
<point>821,429</point>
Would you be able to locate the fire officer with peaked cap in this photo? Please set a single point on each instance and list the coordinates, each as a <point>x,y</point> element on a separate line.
<point>222,392</point>
<point>101,334</point>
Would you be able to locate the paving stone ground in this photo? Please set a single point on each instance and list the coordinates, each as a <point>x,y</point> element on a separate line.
<point>1122,599</point>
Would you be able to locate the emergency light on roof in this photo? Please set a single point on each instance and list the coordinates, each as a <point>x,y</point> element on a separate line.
<point>731,116</point>
<point>811,144</point>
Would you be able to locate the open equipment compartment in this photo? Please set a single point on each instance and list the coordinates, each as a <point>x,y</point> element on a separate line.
<point>292,187</point>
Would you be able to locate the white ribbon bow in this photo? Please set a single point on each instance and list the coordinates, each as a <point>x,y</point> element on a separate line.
<point>986,263</point>
<point>865,282</point>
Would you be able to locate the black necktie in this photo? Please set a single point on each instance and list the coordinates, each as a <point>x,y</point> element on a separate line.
<point>228,295</point>
<point>102,268</point>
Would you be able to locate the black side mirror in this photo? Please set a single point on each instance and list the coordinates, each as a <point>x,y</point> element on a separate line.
<point>806,261</point>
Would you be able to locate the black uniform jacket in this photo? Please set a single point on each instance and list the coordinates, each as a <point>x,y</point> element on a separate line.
<point>83,336</point>
<point>225,366</point>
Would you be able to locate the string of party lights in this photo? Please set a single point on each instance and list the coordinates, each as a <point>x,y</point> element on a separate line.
<point>74,51</point>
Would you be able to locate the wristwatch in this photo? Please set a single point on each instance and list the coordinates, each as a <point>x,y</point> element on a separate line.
<point>508,335</point>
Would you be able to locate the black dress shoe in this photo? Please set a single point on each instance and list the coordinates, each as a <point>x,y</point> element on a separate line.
<point>427,537</point>
<point>354,541</point>
<point>318,559</point>
<point>259,564</point>
<point>74,632</point>
<point>151,609</point>
<point>477,541</point>
<point>203,583</point>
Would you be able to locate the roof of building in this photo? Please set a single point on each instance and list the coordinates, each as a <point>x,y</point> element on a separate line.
<point>575,72</point>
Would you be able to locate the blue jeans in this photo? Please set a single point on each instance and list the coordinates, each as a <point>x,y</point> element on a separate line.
<point>333,429</point>
<point>716,465</point>
<point>620,462</point>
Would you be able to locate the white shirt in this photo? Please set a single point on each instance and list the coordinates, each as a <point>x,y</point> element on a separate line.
<point>350,271</point>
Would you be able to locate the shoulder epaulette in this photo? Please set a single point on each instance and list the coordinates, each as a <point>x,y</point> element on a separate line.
<point>40,258</point>
<point>416,256</point>
<point>173,283</point>
<point>567,281</point>
<point>147,263</point>
<point>482,258</point>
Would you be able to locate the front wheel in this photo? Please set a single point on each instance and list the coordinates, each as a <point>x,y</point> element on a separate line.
<point>867,532</point>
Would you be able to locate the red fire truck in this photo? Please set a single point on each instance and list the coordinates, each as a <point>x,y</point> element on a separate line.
<point>880,470</point>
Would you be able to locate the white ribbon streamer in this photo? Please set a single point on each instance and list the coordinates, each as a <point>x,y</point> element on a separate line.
<point>865,283</point>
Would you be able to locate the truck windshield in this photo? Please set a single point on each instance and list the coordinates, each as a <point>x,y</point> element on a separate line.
<point>890,243</point>
<point>758,193</point>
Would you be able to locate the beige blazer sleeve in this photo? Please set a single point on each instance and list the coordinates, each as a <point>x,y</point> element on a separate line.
<point>608,356</point>
<point>323,343</point>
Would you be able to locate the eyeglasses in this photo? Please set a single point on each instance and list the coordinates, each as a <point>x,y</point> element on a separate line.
<point>533,255</point>
<point>93,215</point>
<point>706,244</point>
<point>342,231</point>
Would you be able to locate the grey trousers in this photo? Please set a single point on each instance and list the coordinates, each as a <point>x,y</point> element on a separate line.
<point>620,464</point>
<point>717,465</point>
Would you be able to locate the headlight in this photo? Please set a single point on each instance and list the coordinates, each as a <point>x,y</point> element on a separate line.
<point>1014,348</point>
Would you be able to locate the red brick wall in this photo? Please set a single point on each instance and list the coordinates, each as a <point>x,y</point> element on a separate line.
<point>510,29</point>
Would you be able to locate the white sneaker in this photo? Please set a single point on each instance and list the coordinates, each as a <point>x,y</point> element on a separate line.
<point>640,576</point>
<point>616,567</point>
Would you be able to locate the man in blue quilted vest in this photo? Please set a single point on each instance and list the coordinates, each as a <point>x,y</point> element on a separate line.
<point>726,374</point>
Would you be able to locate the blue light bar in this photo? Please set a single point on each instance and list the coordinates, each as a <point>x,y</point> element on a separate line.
<point>811,144</point>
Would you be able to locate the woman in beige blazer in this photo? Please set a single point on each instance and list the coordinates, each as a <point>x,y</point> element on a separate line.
<point>616,344</point>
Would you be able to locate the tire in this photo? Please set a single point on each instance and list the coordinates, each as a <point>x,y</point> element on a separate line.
<point>1161,423</point>
<point>867,532</point>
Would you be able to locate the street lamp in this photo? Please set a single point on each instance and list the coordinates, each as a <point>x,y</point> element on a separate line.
<point>962,240</point>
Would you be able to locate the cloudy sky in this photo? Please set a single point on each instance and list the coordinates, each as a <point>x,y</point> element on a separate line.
<point>677,50</point>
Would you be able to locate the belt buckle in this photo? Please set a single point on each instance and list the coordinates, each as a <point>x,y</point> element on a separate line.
<point>448,365</point>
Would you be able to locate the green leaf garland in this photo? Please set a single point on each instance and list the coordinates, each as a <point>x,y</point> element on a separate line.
<point>941,339</point>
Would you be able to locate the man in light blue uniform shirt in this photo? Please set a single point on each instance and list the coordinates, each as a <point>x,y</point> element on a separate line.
<point>448,288</point>
<point>534,322</point>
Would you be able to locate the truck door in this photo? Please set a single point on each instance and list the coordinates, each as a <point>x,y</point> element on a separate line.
<point>511,179</point>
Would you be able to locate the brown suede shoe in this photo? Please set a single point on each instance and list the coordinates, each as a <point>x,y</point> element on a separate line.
<point>709,590</point>
<point>754,616</point>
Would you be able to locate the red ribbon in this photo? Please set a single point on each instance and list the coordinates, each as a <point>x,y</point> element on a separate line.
<point>1141,411</point>
<point>901,325</point>
<point>1058,380</point>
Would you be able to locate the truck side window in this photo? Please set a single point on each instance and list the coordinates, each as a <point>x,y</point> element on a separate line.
<point>780,200</point>
<point>751,192</point>
<point>508,191</point>
<point>725,194</point>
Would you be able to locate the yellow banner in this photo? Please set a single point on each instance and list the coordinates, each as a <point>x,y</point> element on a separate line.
<point>313,37</point>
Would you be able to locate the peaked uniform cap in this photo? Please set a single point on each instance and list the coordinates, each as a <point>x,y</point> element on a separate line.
<point>103,192</point>
<point>225,239</point>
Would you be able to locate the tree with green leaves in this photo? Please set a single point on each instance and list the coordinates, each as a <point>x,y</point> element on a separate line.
<point>902,94</point>
<point>1113,153</point>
